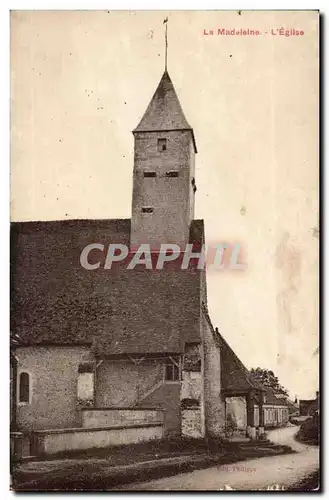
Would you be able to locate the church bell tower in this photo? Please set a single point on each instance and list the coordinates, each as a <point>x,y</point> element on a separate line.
<point>163,179</point>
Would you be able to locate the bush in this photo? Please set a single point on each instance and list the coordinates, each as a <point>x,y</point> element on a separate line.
<point>310,430</point>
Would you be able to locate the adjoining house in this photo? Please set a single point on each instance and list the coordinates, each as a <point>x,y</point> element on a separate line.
<point>118,356</point>
<point>247,403</point>
<point>276,410</point>
<point>309,407</point>
<point>243,397</point>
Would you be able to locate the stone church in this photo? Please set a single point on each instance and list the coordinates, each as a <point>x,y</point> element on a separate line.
<point>111,356</point>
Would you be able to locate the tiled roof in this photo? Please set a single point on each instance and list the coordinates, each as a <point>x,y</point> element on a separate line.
<point>55,300</point>
<point>234,374</point>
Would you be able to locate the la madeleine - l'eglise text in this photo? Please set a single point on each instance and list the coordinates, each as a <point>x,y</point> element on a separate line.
<point>253,32</point>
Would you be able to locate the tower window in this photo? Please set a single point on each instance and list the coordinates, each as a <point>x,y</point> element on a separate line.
<point>149,174</point>
<point>171,372</point>
<point>193,184</point>
<point>172,173</point>
<point>24,388</point>
<point>162,144</point>
<point>147,210</point>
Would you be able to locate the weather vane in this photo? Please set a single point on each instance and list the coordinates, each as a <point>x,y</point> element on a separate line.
<point>166,41</point>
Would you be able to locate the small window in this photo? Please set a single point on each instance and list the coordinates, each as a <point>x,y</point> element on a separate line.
<point>171,372</point>
<point>193,184</point>
<point>147,210</point>
<point>172,173</point>
<point>149,174</point>
<point>162,144</point>
<point>24,388</point>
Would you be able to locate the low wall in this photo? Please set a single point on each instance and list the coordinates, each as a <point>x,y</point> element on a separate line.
<point>108,417</point>
<point>53,441</point>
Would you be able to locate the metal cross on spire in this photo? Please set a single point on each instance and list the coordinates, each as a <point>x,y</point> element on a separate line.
<point>166,41</point>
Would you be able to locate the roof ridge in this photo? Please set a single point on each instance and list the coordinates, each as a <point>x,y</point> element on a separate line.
<point>50,221</point>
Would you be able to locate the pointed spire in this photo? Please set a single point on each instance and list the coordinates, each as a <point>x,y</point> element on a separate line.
<point>164,111</point>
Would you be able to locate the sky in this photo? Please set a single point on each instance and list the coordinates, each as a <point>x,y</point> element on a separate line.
<point>80,83</point>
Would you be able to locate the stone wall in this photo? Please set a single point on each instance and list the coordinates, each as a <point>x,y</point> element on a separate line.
<point>54,375</point>
<point>192,393</point>
<point>124,383</point>
<point>53,386</point>
<point>191,423</point>
<point>170,197</point>
<point>214,403</point>
<point>55,441</point>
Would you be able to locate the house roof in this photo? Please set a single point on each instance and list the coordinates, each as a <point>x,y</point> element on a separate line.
<point>235,377</point>
<point>234,374</point>
<point>272,399</point>
<point>54,300</point>
<point>164,112</point>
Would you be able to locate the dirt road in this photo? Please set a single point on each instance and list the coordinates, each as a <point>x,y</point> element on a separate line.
<point>278,472</point>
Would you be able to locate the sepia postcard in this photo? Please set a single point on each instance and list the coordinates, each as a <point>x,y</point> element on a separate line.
<point>164,251</point>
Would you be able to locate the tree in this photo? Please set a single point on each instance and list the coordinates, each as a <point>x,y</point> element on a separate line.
<point>268,380</point>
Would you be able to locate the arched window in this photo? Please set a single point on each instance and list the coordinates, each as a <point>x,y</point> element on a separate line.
<point>24,388</point>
